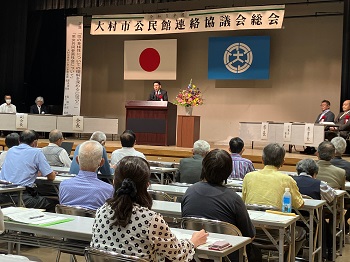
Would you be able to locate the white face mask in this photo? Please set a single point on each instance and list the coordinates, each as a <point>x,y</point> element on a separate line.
<point>8,101</point>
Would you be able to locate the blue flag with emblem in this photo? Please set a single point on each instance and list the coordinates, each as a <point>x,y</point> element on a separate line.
<point>246,57</point>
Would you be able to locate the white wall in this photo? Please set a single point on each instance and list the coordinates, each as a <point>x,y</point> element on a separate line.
<point>305,69</point>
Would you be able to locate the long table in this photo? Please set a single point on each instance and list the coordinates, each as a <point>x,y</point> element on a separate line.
<point>337,207</point>
<point>251,131</point>
<point>80,229</point>
<point>263,220</point>
<point>46,123</point>
<point>162,174</point>
<point>312,206</point>
<point>19,190</point>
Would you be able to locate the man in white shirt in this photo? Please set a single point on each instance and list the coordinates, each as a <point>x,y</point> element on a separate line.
<point>54,153</point>
<point>128,140</point>
<point>7,107</point>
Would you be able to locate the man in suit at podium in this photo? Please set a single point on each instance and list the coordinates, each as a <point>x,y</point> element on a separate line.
<point>38,108</point>
<point>158,94</point>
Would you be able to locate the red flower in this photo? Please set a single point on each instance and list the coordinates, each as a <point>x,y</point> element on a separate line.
<point>347,116</point>
<point>160,97</point>
<point>323,117</point>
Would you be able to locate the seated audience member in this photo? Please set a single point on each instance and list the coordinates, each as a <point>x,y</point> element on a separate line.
<point>334,176</point>
<point>190,168</point>
<point>54,153</point>
<point>21,166</point>
<point>267,186</point>
<point>308,185</point>
<point>126,224</point>
<point>106,168</point>
<point>128,141</point>
<point>39,107</point>
<point>241,166</point>
<point>85,189</point>
<point>10,141</point>
<point>210,199</point>
<point>340,147</point>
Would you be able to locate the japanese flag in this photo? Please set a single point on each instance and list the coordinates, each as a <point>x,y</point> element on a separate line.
<point>150,59</point>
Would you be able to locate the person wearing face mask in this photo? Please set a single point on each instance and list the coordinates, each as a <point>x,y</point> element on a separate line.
<point>7,107</point>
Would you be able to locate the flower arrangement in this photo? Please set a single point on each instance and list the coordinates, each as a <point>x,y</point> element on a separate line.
<point>191,96</point>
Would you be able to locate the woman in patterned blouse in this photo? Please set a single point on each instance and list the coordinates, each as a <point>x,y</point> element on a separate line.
<point>126,224</point>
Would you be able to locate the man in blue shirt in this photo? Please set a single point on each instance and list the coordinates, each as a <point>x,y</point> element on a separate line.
<point>241,166</point>
<point>23,164</point>
<point>86,190</point>
<point>106,168</point>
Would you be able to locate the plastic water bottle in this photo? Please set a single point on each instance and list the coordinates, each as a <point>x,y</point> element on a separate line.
<point>287,201</point>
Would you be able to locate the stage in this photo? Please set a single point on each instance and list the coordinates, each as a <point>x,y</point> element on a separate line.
<point>175,154</point>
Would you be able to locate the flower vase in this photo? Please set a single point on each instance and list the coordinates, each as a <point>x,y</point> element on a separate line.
<point>188,110</point>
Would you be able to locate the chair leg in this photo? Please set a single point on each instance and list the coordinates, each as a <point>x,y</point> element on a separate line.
<point>58,256</point>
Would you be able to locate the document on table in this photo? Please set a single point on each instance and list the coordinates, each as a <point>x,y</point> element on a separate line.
<point>210,240</point>
<point>264,216</point>
<point>31,216</point>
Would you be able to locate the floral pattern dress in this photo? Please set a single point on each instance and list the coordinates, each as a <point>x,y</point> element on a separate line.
<point>147,236</point>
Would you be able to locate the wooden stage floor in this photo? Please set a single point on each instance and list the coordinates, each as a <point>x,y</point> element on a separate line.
<point>174,154</point>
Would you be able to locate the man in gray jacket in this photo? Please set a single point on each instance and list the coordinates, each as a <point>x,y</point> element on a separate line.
<point>190,168</point>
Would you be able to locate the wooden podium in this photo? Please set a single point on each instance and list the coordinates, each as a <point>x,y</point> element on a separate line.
<point>188,128</point>
<point>154,122</point>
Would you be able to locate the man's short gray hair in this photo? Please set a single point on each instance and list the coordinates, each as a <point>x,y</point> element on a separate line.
<point>340,145</point>
<point>90,155</point>
<point>55,135</point>
<point>273,155</point>
<point>307,166</point>
<point>326,151</point>
<point>98,136</point>
<point>201,147</point>
<point>39,98</point>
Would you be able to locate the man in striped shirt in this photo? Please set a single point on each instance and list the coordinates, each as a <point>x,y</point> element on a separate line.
<point>241,166</point>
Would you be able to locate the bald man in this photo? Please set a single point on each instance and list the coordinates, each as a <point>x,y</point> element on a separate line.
<point>343,120</point>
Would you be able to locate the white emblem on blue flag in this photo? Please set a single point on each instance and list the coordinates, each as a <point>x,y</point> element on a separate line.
<point>242,58</point>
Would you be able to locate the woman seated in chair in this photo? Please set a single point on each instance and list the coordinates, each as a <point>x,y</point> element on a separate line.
<point>211,199</point>
<point>126,224</point>
<point>308,185</point>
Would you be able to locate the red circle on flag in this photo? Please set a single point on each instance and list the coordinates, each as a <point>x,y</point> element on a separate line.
<point>149,59</point>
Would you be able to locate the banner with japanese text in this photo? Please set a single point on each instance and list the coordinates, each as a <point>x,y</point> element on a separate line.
<point>74,63</point>
<point>235,18</point>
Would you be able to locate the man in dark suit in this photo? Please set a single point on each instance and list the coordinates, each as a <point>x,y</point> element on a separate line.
<point>39,107</point>
<point>158,94</point>
<point>190,168</point>
<point>343,120</point>
<point>326,115</point>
